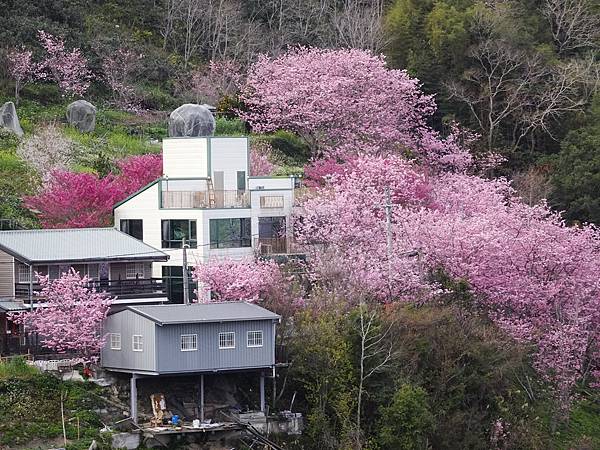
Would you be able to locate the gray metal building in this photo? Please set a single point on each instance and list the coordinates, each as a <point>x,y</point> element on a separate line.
<point>153,340</point>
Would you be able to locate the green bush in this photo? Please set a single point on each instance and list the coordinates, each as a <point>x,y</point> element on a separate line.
<point>406,422</point>
<point>290,149</point>
<point>229,127</point>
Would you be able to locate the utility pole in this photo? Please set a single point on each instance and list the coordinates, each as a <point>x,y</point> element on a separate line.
<point>186,285</point>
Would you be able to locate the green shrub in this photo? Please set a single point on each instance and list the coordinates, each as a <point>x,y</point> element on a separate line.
<point>407,421</point>
<point>229,127</point>
<point>289,148</point>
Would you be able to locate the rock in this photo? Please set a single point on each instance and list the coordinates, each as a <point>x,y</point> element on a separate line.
<point>82,115</point>
<point>9,119</point>
<point>129,441</point>
<point>191,120</point>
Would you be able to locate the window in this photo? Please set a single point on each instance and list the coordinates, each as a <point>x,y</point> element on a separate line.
<point>133,227</point>
<point>53,272</point>
<point>173,231</point>
<point>133,271</point>
<point>227,340</point>
<point>189,342</point>
<point>115,341</point>
<point>138,343</point>
<point>255,338</point>
<point>230,233</point>
<point>92,271</point>
<point>271,201</point>
<point>172,278</point>
<point>23,273</point>
<point>241,180</point>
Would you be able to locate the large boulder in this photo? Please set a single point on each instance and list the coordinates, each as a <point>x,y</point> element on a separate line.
<point>9,119</point>
<point>191,120</point>
<point>82,115</point>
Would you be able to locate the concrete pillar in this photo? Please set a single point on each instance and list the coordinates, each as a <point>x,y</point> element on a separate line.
<point>133,399</point>
<point>262,391</point>
<point>201,397</point>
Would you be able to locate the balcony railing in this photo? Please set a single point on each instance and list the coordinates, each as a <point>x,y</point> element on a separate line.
<point>205,199</point>
<point>123,289</point>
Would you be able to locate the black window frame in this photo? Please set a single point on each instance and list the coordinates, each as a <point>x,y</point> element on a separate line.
<point>125,226</point>
<point>244,230</point>
<point>171,242</point>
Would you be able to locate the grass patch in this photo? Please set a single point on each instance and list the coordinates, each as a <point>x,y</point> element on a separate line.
<point>229,127</point>
<point>17,368</point>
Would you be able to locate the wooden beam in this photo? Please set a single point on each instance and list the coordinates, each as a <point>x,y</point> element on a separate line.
<point>262,391</point>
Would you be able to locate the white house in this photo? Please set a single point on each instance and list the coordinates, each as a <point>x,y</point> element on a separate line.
<point>206,197</point>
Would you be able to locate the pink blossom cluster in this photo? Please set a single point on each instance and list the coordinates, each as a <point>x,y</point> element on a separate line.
<point>78,200</point>
<point>536,277</point>
<point>232,280</point>
<point>68,69</point>
<point>260,154</point>
<point>341,101</point>
<point>119,70</point>
<point>72,315</point>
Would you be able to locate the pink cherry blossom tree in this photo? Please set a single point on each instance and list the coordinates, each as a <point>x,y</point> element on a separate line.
<point>77,200</point>
<point>120,69</point>
<point>534,276</point>
<point>343,101</point>
<point>72,315</point>
<point>220,79</point>
<point>21,68</point>
<point>260,154</point>
<point>230,280</point>
<point>68,69</point>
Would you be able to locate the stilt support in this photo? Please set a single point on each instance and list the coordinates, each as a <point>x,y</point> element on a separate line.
<point>262,391</point>
<point>201,397</point>
<point>133,392</point>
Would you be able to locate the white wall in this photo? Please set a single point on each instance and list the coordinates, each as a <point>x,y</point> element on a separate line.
<point>185,157</point>
<point>229,155</point>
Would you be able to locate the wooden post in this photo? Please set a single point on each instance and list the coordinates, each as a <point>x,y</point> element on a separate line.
<point>133,399</point>
<point>201,398</point>
<point>262,391</point>
<point>274,389</point>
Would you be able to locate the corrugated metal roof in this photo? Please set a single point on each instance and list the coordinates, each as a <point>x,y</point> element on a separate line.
<point>76,245</point>
<point>11,305</point>
<point>204,312</point>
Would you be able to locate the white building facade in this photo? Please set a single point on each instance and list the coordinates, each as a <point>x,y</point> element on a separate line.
<point>207,197</point>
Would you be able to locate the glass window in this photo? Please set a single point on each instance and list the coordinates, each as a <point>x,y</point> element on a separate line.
<point>134,271</point>
<point>241,180</point>
<point>227,340</point>
<point>115,341</point>
<point>189,342</point>
<point>23,273</point>
<point>92,271</point>
<point>255,338</point>
<point>133,227</point>
<point>173,280</point>
<point>230,233</point>
<point>138,343</point>
<point>54,272</point>
<point>173,231</point>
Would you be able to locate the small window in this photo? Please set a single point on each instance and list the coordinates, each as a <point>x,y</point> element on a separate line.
<point>189,342</point>
<point>138,343</point>
<point>134,271</point>
<point>255,338</point>
<point>54,272</point>
<point>115,341</point>
<point>23,273</point>
<point>133,227</point>
<point>227,340</point>
<point>271,201</point>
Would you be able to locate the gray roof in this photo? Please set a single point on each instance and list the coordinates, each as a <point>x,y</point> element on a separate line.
<point>76,245</point>
<point>11,305</point>
<point>204,312</point>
